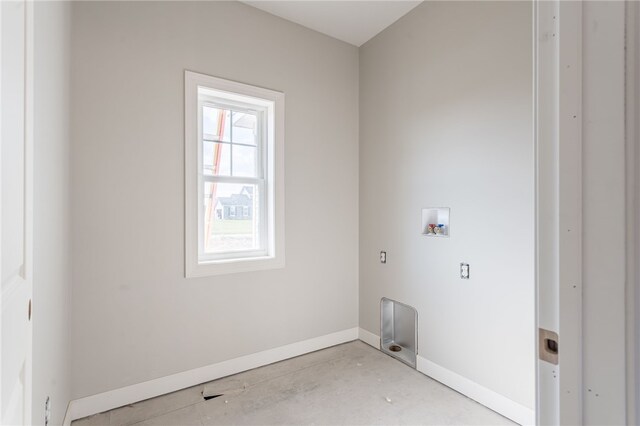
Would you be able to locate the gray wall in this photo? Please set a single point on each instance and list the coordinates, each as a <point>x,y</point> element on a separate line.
<point>446,121</point>
<point>52,191</point>
<point>135,316</point>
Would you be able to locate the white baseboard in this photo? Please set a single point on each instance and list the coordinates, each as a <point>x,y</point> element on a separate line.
<point>94,404</point>
<point>67,415</point>
<point>490,399</point>
<point>105,401</point>
<point>493,400</point>
<point>369,338</point>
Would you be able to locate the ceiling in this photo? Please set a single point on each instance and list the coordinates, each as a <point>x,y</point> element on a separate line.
<point>352,21</point>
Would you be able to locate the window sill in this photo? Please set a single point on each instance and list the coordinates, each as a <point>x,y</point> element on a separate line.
<point>233,266</point>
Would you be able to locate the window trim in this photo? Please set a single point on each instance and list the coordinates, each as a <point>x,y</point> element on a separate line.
<point>234,92</point>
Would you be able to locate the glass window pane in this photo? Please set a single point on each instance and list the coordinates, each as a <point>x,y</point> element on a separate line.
<point>216,159</point>
<point>244,161</point>
<point>216,124</point>
<point>245,127</point>
<point>231,219</point>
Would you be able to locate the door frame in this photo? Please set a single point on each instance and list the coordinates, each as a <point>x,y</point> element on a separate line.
<point>558,103</point>
<point>558,117</point>
<point>632,147</point>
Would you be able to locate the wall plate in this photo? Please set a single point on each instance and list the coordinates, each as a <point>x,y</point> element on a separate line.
<point>464,271</point>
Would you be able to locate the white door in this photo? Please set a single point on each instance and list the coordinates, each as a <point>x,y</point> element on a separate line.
<point>15,207</point>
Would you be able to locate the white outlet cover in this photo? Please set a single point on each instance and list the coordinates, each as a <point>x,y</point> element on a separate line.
<point>464,271</point>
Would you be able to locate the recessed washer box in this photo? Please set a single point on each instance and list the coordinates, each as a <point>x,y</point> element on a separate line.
<point>399,331</point>
<point>438,217</point>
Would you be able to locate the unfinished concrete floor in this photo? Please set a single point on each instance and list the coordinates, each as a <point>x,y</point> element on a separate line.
<point>351,383</point>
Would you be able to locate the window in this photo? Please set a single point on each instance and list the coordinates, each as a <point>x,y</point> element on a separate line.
<point>234,145</point>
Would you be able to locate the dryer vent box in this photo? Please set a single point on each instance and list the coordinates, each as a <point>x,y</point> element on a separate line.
<point>399,331</point>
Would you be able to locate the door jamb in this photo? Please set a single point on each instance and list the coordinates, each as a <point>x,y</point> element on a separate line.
<point>558,174</point>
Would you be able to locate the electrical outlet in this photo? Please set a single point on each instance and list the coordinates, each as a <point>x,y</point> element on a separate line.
<point>464,271</point>
<point>383,257</point>
<point>47,411</point>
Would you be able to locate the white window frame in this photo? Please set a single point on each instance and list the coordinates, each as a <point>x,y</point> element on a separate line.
<point>272,104</point>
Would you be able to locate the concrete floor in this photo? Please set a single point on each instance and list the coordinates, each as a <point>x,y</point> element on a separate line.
<point>346,384</point>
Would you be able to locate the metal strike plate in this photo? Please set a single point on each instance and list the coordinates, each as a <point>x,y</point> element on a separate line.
<point>548,346</point>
